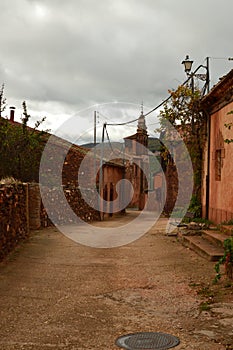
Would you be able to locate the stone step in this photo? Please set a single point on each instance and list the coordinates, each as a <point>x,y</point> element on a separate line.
<point>215,237</point>
<point>227,229</point>
<point>203,247</point>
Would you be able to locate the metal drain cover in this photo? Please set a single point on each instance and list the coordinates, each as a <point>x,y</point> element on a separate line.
<point>147,340</point>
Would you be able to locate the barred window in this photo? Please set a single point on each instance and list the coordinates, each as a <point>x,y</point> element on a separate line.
<point>218,165</point>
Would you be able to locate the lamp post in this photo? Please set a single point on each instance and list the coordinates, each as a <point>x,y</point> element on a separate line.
<point>187,64</point>
<point>204,77</point>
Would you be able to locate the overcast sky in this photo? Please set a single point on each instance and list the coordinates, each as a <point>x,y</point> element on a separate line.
<point>69,58</point>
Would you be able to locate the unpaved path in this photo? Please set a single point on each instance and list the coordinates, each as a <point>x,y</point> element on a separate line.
<point>57,294</point>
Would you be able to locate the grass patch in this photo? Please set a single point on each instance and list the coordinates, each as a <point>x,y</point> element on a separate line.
<point>206,292</point>
<point>205,306</point>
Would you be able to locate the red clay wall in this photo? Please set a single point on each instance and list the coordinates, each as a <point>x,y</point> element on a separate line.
<point>221,189</point>
<point>111,176</point>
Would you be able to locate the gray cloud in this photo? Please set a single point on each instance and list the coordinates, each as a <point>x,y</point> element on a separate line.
<point>72,54</point>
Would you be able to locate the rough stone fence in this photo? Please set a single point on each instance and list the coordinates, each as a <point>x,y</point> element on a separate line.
<point>64,207</point>
<point>21,210</point>
<point>14,213</point>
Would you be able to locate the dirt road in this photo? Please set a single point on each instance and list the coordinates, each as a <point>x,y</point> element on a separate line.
<point>57,294</point>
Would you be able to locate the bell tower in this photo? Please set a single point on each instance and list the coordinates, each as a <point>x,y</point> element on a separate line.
<point>142,136</point>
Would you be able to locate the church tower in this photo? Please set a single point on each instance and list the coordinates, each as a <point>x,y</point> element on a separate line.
<point>141,135</point>
<point>136,147</point>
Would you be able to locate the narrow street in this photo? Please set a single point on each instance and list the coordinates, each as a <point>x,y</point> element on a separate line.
<point>57,294</point>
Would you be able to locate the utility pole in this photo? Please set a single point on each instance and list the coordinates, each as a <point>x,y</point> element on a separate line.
<point>94,128</point>
<point>208,74</point>
<point>101,176</point>
<point>94,177</point>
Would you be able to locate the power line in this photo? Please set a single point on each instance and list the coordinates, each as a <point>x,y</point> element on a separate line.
<point>109,139</point>
<point>110,143</point>
<point>168,98</point>
<point>222,58</point>
<point>104,116</point>
<point>155,108</point>
<point>113,124</point>
<point>125,123</point>
<point>135,120</point>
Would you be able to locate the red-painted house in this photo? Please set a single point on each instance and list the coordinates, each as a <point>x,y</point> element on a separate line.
<point>217,184</point>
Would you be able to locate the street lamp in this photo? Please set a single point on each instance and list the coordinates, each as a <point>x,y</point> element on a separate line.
<point>187,64</point>
<point>204,77</point>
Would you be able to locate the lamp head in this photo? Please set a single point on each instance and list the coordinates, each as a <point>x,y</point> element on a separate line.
<point>187,64</point>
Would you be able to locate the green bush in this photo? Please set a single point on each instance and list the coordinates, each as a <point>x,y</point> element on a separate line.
<point>227,259</point>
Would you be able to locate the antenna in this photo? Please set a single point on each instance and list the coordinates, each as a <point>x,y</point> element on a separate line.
<point>142,108</point>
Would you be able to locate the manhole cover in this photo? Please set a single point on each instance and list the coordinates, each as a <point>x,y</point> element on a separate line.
<point>147,340</point>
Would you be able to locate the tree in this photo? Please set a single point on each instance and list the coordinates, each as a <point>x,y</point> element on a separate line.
<point>21,148</point>
<point>2,100</point>
<point>184,113</point>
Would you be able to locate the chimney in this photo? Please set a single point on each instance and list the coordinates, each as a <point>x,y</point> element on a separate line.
<point>12,113</point>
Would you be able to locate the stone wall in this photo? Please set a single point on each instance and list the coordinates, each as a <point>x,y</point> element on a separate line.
<point>65,205</point>
<point>79,205</point>
<point>14,223</point>
<point>34,205</point>
<point>22,210</point>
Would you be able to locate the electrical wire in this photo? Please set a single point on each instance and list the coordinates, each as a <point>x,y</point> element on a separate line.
<point>125,123</point>
<point>151,111</point>
<point>109,139</point>
<point>110,143</point>
<point>136,119</point>
<point>117,124</point>
<point>104,116</point>
<point>155,108</point>
<point>222,58</point>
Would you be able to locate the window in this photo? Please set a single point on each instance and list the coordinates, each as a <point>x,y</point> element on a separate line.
<point>218,165</point>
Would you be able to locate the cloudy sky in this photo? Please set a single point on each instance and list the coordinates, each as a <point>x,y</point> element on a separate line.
<point>69,58</point>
